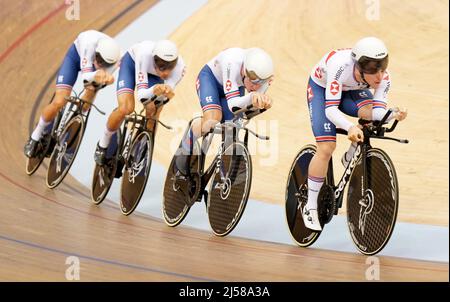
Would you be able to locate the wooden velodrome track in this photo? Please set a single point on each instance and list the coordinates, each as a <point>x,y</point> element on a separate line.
<point>39,227</point>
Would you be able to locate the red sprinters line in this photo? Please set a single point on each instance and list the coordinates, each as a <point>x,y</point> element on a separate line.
<point>29,31</point>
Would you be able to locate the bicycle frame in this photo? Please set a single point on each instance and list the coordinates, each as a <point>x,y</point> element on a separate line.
<point>236,124</point>
<point>75,108</point>
<point>374,131</point>
<point>339,188</point>
<point>198,178</point>
<point>138,123</point>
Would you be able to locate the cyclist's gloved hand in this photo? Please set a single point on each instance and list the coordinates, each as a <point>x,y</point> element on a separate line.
<point>400,113</point>
<point>355,134</point>
<point>93,85</point>
<point>261,101</point>
<point>109,80</point>
<point>103,78</point>
<point>163,89</point>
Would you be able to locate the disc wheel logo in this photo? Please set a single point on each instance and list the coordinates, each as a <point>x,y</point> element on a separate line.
<point>101,176</point>
<point>225,188</point>
<point>302,196</point>
<point>61,152</point>
<point>175,186</point>
<point>135,169</point>
<point>366,203</point>
<point>138,159</point>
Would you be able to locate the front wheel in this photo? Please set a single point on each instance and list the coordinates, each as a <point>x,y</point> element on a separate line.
<point>372,211</point>
<point>137,171</point>
<point>65,151</point>
<point>230,188</point>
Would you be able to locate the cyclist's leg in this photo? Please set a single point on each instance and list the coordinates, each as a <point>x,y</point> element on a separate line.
<point>67,76</point>
<point>125,98</point>
<point>325,134</point>
<point>126,106</point>
<point>209,96</point>
<point>150,108</point>
<point>115,119</point>
<point>356,103</point>
<point>65,80</point>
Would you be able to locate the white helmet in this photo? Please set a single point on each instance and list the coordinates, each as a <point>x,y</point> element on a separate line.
<point>258,65</point>
<point>370,55</point>
<point>166,50</point>
<point>109,50</point>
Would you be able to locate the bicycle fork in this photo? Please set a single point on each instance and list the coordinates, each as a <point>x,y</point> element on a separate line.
<point>225,183</point>
<point>367,197</point>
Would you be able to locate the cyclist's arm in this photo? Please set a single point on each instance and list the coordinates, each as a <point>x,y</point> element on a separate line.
<point>336,116</point>
<point>236,103</point>
<point>89,80</point>
<point>88,77</point>
<point>87,52</point>
<point>333,94</point>
<point>379,107</point>
<point>230,74</point>
<point>94,84</point>
<point>145,93</point>
<point>142,65</point>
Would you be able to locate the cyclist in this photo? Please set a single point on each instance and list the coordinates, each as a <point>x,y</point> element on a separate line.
<point>151,68</point>
<point>340,83</point>
<point>221,88</point>
<point>93,53</point>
